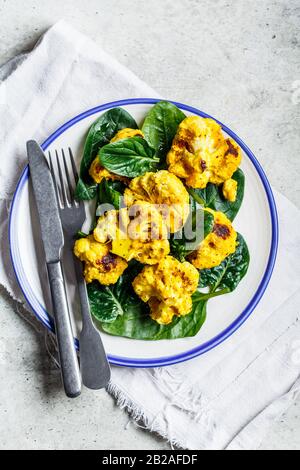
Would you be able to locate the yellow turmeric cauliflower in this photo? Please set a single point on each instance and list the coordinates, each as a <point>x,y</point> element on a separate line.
<point>126,133</point>
<point>99,263</point>
<point>98,172</point>
<point>229,189</point>
<point>201,154</point>
<point>167,287</point>
<point>217,245</point>
<point>164,190</point>
<point>137,232</point>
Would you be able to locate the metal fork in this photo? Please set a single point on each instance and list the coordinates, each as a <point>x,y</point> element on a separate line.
<point>95,368</point>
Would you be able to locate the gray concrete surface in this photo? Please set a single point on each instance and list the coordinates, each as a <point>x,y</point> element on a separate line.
<point>236,59</point>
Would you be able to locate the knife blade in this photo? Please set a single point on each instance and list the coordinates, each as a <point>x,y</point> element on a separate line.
<point>46,201</point>
<point>53,241</point>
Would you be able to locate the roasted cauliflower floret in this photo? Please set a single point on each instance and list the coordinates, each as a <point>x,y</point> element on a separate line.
<point>217,245</point>
<point>105,278</point>
<point>201,154</point>
<point>112,225</point>
<point>161,312</point>
<point>137,232</point>
<point>146,222</point>
<point>229,190</point>
<point>167,287</point>
<point>164,190</point>
<point>126,133</point>
<point>141,221</point>
<point>146,252</point>
<point>90,251</point>
<point>99,263</point>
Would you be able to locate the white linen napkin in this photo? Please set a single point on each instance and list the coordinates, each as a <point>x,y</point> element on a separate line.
<point>226,398</point>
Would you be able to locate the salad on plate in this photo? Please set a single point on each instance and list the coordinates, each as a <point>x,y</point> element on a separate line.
<point>162,242</point>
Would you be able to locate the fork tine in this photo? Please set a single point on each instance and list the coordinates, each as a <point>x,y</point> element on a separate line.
<point>53,177</point>
<point>62,184</point>
<point>70,186</point>
<point>75,173</point>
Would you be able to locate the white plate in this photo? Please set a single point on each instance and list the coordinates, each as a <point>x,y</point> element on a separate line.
<point>257,221</point>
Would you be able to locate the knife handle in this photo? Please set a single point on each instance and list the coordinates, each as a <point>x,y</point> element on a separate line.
<point>65,339</point>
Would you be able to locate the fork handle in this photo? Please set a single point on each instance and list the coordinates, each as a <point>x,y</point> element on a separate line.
<point>95,369</point>
<point>65,339</point>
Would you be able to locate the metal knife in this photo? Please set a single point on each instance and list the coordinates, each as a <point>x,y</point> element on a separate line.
<point>53,241</point>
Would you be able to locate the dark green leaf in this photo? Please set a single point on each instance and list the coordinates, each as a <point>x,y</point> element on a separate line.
<point>160,127</point>
<point>108,302</point>
<point>100,133</point>
<point>202,223</point>
<point>209,222</point>
<point>111,192</point>
<point>179,249</point>
<point>206,196</point>
<point>230,272</point>
<point>129,157</point>
<point>230,209</point>
<point>104,305</point>
<point>85,190</point>
<point>137,324</point>
<point>213,198</point>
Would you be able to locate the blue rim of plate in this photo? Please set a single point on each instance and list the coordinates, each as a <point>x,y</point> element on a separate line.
<point>46,319</point>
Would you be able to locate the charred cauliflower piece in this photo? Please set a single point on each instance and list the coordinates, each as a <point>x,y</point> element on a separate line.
<point>168,288</point>
<point>98,172</point>
<point>164,190</point>
<point>137,232</point>
<point>201,154</point>
<point>99,263</point>
<point>217,245</point>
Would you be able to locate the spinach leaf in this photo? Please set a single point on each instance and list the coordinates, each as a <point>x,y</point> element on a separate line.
<point>230,272</point>
<point>108,302</point>
<point>129,157</point>
<point>209,222</point>
<point>111,192</point>
<point>213,198</point>
<point>160,127</point>
<point>105,307</point>
<point>230,209</point>
<point>85,190</point>
<point>137,324</point>
<point>179,249</point>
<point>180,245</point>
<point>100,133</point>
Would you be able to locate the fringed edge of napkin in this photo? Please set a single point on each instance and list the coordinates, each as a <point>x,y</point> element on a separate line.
<point>138,415</point>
